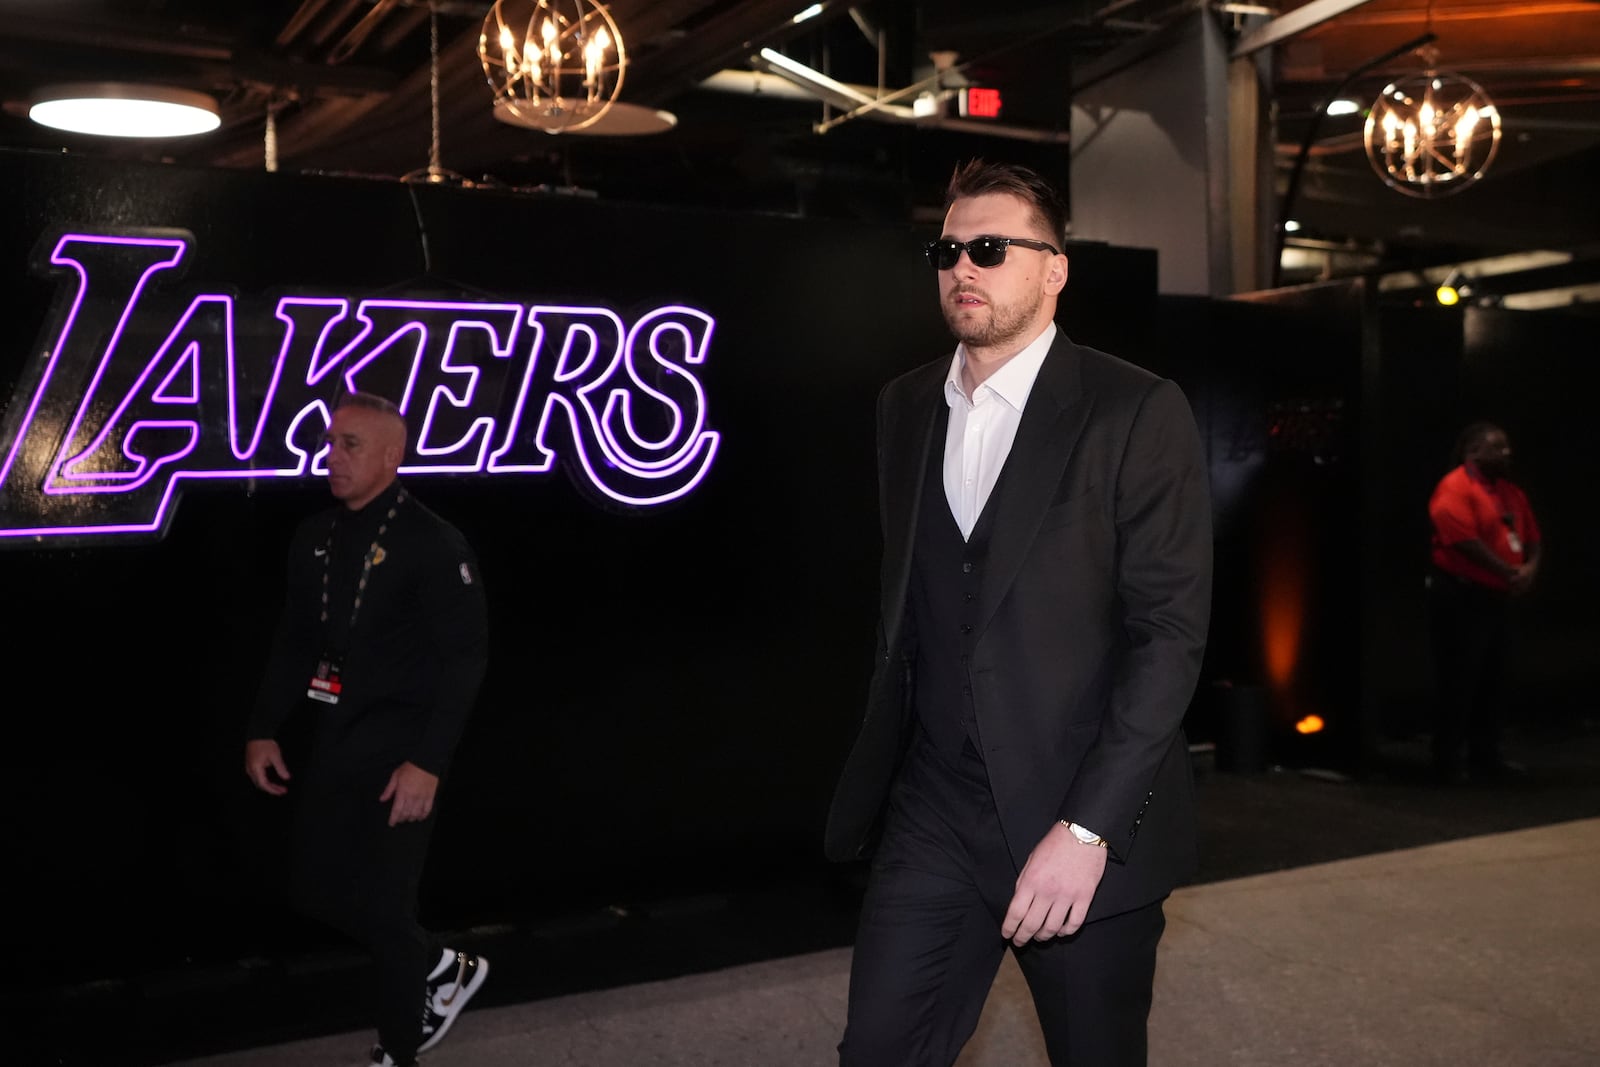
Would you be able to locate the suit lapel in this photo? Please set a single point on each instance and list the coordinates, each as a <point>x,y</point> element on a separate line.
<point>908,437</point>
<point>1052,422</point>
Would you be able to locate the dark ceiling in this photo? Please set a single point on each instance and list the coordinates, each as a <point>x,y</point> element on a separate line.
<point>348,81</point>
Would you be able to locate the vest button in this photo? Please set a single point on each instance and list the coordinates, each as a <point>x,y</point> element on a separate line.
<point>966,568</point>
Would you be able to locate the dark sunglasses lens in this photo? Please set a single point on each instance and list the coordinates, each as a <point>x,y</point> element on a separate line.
<point>943,254</point>
<point>983,251</point>
<point>987,252</point>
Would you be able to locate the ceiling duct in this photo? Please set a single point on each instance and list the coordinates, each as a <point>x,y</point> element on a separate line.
<point>859,101</point>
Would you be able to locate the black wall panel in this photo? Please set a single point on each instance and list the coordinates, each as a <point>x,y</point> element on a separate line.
<point>670,692</point>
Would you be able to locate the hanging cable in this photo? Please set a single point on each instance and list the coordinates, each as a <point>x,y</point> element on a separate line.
<point>269,147</point>
<point>435,174</point>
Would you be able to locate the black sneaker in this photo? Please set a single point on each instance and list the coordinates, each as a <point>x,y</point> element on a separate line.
<point>450,986</point>
<point>381,1058</point>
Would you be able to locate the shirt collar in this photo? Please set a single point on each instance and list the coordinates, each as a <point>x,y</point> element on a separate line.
<point>377,507</point>
<point>1013,381</point>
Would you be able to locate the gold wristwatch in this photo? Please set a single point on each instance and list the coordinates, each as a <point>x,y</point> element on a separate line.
<point>1084,835</point>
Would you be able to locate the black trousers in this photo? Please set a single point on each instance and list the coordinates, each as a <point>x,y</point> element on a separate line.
<point>351,870</point>
<point>1467,631</point>
<point>929,942</point>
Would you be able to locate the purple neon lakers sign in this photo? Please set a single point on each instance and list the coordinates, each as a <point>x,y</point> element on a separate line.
<point>132,392</point>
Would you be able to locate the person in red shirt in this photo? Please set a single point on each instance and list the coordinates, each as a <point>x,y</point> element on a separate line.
<point>1486,546</point>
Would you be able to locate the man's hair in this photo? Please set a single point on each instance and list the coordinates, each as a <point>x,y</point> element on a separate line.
<point>1471,437</point>
<point>370,401</point>
<point>374,402</point>
<point>978,178</point>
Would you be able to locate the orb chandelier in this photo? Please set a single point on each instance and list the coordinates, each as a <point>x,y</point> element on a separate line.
<point>1432,134</point>
<point>556,65</point>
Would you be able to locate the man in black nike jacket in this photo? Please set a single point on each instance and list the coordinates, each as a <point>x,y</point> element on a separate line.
<point>383,643</point>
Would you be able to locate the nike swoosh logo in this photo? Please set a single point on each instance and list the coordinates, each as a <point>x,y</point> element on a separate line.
<point>319,552</point>
<point>461,974</point>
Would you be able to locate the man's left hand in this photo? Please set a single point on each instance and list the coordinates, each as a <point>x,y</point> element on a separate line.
<point>411,789</point>
<point>1054,889</point>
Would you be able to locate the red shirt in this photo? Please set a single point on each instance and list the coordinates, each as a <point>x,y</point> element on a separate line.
<point>1465,507</point>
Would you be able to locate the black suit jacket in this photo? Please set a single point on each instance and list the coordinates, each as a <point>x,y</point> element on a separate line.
<point>1092,621</point>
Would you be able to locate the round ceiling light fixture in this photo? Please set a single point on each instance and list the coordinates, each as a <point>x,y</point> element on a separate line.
<point>118,109</point>
<point>1432,134</point>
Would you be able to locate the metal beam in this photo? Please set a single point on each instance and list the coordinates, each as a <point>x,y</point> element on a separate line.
<point>818,84</point>
<point>1295,22</point>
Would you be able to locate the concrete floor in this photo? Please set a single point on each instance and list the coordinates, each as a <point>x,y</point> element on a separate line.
<point>1483,950</point>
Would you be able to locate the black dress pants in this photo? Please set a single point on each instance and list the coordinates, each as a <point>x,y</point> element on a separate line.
<point>351,870</point>
<point>929,942</point>
<point>1467,630</point>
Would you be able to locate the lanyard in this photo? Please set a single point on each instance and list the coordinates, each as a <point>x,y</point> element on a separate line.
<point>374,554</point>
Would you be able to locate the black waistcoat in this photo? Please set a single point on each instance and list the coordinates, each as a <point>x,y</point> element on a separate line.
<point>946,574</point>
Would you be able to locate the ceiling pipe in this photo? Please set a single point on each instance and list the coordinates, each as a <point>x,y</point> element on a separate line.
<point>357,35</point>
<point>1293,24</point>
<point>1487,267</point>
<point>112,35</point>
<point>402,27</point>
<point>331,23</point>
<point>879,41</point>
<point>771,85</point>
<point>817,84</point>
<point>303,17</point>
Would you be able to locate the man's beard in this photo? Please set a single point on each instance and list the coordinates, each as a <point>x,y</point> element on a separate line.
<point>1004,323</point>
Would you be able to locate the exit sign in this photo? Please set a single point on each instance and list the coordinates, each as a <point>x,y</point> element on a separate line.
<point>980,103</point>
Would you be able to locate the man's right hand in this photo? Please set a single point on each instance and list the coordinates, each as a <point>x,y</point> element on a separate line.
<point>1522,579</point>
<point>259,756</point>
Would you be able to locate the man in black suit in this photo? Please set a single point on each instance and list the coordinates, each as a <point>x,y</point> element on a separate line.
<point>1020,777</point>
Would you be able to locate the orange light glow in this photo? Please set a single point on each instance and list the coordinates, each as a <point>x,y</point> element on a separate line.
<point>1283,581</point>
<point>1311,724</point>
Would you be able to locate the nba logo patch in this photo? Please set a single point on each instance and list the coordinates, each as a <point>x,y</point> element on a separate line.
<point>466,575</point>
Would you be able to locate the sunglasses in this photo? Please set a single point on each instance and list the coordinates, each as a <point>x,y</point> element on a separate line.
<point>983,251</point>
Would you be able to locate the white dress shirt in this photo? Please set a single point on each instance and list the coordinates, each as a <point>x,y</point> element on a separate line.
<point>983,426</point>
